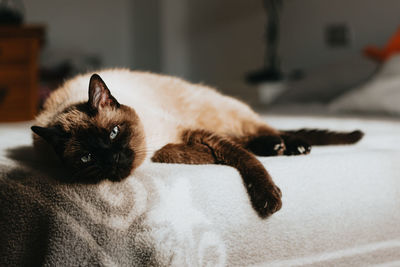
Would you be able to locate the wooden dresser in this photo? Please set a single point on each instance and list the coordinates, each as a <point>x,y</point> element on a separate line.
<point>19,59</point>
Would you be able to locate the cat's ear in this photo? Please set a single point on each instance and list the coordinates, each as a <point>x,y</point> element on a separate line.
<point>99,95</point>
<point>53,135</point>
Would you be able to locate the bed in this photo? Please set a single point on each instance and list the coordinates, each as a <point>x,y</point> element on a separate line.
<point>341,204</point>
<point>341,207</point>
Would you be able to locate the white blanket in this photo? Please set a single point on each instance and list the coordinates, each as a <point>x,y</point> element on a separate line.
<point>341,206</point>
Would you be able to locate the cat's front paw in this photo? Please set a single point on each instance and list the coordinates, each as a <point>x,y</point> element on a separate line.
<point>273,201</point>
<point>296,146</point>
<point>267,201</point>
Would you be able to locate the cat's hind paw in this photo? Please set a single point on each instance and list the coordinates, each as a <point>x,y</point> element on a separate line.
<point>295,146</point>
<point>266,145</point>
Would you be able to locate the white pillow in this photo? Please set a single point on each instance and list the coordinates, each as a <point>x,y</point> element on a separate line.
<point>323,84</point>
<point>381,94</point>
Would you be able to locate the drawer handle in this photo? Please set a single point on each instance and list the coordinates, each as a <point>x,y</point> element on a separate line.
<point>3,94</point>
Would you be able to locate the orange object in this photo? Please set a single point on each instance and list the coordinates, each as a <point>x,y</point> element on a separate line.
<point>382,54</point>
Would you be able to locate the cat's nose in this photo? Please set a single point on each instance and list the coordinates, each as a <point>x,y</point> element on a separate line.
<point>116,157</point>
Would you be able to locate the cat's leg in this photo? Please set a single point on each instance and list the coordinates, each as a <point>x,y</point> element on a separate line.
<point>265,196</point>
<point>300,141</point>
<point>202,147</point>
<point>184,153</point>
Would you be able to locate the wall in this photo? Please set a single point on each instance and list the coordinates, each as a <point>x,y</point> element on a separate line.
<point>146,35</point>
<point>213,42</point>
<point>88,27</point>
<point>218,42</point>
<point>303,23</point>
<point>174,29</point>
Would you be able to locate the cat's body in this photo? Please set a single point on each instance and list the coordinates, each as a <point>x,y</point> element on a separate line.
<point>165,105</point>
<point>164,119</point>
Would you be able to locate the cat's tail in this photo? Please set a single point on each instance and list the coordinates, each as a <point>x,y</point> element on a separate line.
<point>319,137</point>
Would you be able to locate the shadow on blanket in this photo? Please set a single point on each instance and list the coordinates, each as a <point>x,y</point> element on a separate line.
<point>46,222</point>
<point>26,157</point>
<point>24,235</point>
<point>135,222</point>
<point>49,166</point>
<point>42,218</point>
<point>25,224</point>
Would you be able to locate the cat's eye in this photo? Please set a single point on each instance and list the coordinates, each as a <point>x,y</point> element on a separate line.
<point>86,158</point>
<point>114,132</point>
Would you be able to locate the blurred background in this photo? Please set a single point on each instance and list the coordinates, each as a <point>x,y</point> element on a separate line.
<point>268,53</point>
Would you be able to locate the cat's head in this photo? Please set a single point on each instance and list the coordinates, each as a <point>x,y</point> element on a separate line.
<point>98,139</point>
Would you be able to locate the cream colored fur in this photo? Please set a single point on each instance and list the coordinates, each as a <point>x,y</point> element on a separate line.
<point>165,105</point>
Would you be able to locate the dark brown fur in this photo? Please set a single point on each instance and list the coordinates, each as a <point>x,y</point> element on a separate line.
<point>185,153</point>
<point>319,137</point>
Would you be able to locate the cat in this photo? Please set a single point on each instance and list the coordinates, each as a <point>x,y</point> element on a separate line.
<point>102,135</point>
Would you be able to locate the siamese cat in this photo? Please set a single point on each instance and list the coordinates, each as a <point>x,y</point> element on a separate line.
<point>103,126</point>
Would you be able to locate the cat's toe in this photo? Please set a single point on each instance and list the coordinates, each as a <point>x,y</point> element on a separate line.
<point>273,202</point>
<point>303,149</point>
<point>279,148</point>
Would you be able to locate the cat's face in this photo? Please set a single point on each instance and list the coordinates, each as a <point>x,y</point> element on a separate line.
<point>99,139</point>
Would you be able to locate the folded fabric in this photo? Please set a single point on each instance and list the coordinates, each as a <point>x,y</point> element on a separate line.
<point>380,95</point>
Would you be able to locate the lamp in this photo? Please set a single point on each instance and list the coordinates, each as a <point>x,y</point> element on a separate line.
<point>271,70</point>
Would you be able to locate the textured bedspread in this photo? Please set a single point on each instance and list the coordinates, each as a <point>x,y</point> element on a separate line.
<point>341,206</point>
